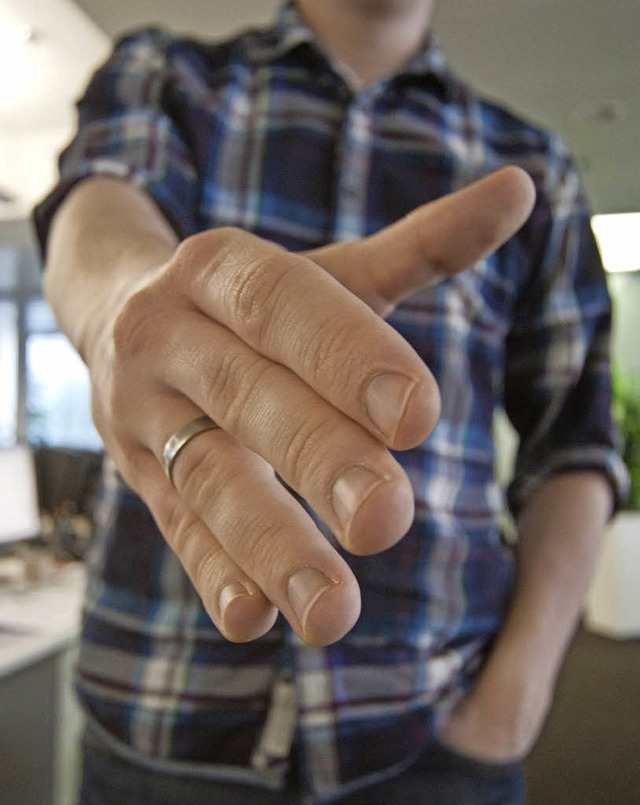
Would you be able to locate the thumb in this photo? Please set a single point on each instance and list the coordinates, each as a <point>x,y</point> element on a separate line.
<point>432,242</point>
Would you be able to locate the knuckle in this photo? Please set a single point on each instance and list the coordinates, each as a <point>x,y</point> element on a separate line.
<point>213,256</point>
<point>251,536</point>
<point>179,526</point>
<point>138,324</point>
<point>256,385</point>
<point>433,255</point>
<point>304,451</point>
<point>248,274</point>
<point>268,557</point>
<point>202,483</point>
<point>194,254</point>
<point>206,569</point>
<point>257,291</point>
<point>230,384</point>
<point>329,355</point>
<point>200,557</point>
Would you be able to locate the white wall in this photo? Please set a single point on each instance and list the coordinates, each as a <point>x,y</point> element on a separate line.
<point>625,290</point>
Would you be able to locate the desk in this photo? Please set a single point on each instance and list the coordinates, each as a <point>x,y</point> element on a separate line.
<point>39,720</point>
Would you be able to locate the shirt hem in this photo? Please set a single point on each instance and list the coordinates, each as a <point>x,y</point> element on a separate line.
<point>272,779</point>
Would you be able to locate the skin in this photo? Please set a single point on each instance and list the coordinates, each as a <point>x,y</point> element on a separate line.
<point>228,324</point>
<point>370,38</point>
<point>216,324</point>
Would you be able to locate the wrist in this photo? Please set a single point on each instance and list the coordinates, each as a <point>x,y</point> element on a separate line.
<point>518,687</point>
<point>501,718</point>
<point>106,238</point>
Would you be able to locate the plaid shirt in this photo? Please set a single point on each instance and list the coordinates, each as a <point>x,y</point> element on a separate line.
<point>265,134</point>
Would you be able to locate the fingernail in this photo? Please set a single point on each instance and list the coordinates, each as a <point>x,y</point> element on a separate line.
<point>385,400</point>
<point>229,594</point>
<point>304,588</point>
<point>350,489</point>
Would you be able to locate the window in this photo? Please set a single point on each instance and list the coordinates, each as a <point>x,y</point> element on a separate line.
<point>45,397</point>
<point>57,386</point>
<point>8,372</point>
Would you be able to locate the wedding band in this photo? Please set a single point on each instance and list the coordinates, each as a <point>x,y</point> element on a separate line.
<point>180,438</point>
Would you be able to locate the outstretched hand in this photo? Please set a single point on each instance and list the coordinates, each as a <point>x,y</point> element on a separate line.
<point>306,380</point>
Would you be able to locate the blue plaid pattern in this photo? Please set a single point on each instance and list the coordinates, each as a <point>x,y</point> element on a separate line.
<point>263,133</point>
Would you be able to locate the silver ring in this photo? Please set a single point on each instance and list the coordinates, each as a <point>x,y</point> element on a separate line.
<point>180,438</point>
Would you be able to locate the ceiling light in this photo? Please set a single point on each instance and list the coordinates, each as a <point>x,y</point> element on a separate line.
<point>17,66</point>
<point>618,237</point>
<point>16,34</point>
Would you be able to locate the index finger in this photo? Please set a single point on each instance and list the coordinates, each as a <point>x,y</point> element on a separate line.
<point>286,308</point>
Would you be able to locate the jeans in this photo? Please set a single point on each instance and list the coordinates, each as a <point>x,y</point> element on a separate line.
<point>439,777</point>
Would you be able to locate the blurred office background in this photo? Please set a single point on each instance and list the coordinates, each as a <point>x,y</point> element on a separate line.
<point>572,65</point>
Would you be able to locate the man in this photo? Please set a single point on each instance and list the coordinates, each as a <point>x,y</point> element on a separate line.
<point>233,225</point>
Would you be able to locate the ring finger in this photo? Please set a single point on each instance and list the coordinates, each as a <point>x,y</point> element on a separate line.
<point>255,530</point>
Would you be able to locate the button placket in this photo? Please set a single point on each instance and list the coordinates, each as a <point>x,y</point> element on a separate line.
<point>352,168</point>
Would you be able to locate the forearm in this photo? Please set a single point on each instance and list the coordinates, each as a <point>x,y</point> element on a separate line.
<point>560,534</point>
<point>105,237</point>
<point>561,531</point>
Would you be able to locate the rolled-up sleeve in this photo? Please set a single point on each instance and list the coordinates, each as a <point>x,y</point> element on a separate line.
<point>126,130</point>
<point>558,379</point>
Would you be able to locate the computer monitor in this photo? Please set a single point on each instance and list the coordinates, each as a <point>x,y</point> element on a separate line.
<point>19,510</point>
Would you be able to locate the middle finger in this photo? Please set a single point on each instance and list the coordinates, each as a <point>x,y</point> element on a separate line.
<point>347,475</point>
